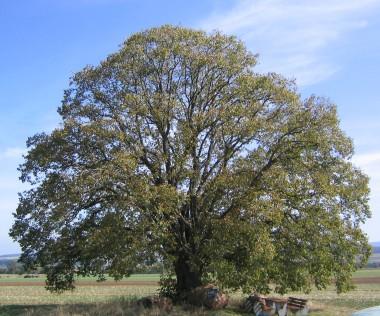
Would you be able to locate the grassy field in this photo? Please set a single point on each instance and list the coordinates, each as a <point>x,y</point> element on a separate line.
<point>363,273</point>
<point>18,297</point>
<point>132,278</point>
<point>367,273</point>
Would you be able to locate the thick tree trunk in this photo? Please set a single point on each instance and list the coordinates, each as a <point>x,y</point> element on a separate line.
<point>187,278</point>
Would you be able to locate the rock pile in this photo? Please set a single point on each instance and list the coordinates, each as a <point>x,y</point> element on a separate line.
<point>208,296</point>
<point>163,303</point>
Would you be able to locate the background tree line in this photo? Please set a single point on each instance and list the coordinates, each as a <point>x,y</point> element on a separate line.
<point>12,266</point>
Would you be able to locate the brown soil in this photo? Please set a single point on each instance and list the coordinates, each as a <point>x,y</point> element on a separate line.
<point>372,280</point>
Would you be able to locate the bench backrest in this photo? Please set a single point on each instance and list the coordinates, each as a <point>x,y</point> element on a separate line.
<point>298,302</point>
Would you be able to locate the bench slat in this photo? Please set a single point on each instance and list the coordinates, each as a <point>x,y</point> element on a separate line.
<point>296,303</point>
<point>296,306</point>
<point>297,299</point>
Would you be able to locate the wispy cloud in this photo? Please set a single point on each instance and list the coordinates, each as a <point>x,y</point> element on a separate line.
<point>367,160</point>
<point>10,158</point>
<point>12,152</point>
<point>293,36</point>
<point>370,164</point>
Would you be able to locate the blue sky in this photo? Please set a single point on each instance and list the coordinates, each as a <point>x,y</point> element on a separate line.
<point>331,47</point>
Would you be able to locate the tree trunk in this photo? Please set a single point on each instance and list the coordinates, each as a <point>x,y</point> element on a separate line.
<point>187,278</point>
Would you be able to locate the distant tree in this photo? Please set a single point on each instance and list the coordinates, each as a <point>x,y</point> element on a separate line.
<point>13,267</point>
<point>173,147</point>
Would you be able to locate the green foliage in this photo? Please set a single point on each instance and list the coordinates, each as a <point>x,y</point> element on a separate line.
<point>168,286</point>
<point>174,149</point>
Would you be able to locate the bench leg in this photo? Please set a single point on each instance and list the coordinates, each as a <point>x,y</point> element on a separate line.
<point>283,311</point>
<point>303,312</point>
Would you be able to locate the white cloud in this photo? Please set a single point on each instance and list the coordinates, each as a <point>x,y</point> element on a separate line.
<point>367,160</point>
<point>10,158</point>
<point>370,164</point>
<point>12,152</point>
<point>293,35</point>
<point>10,184</point>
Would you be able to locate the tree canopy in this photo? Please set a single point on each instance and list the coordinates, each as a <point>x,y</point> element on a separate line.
<point>175,149</point>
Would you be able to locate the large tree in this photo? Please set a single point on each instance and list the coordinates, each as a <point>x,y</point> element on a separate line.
<point>175,149</point>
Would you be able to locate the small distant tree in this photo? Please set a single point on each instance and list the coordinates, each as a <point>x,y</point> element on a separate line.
<point>14,267</point>
<point>174,147</point>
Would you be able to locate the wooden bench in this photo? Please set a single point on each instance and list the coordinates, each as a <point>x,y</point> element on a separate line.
<point>263,306</point>
<point>297,306</point>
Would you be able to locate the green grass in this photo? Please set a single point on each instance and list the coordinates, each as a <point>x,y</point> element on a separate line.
<point>363,273</point>
<point>367,273</point>
<point>18,278</point>
<point>112,308</point>
<point>133,277</point>
<point>111,299</point>
<point>328,302</point>
<point>35,295</point>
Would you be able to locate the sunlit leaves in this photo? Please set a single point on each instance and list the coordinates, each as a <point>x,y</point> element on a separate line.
<point>174,149</point>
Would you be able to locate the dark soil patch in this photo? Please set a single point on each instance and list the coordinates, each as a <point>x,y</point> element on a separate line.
<point>370,280</point>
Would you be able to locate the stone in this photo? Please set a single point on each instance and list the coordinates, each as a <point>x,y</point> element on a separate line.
<point>163,303</point>
<point>208,296</point>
